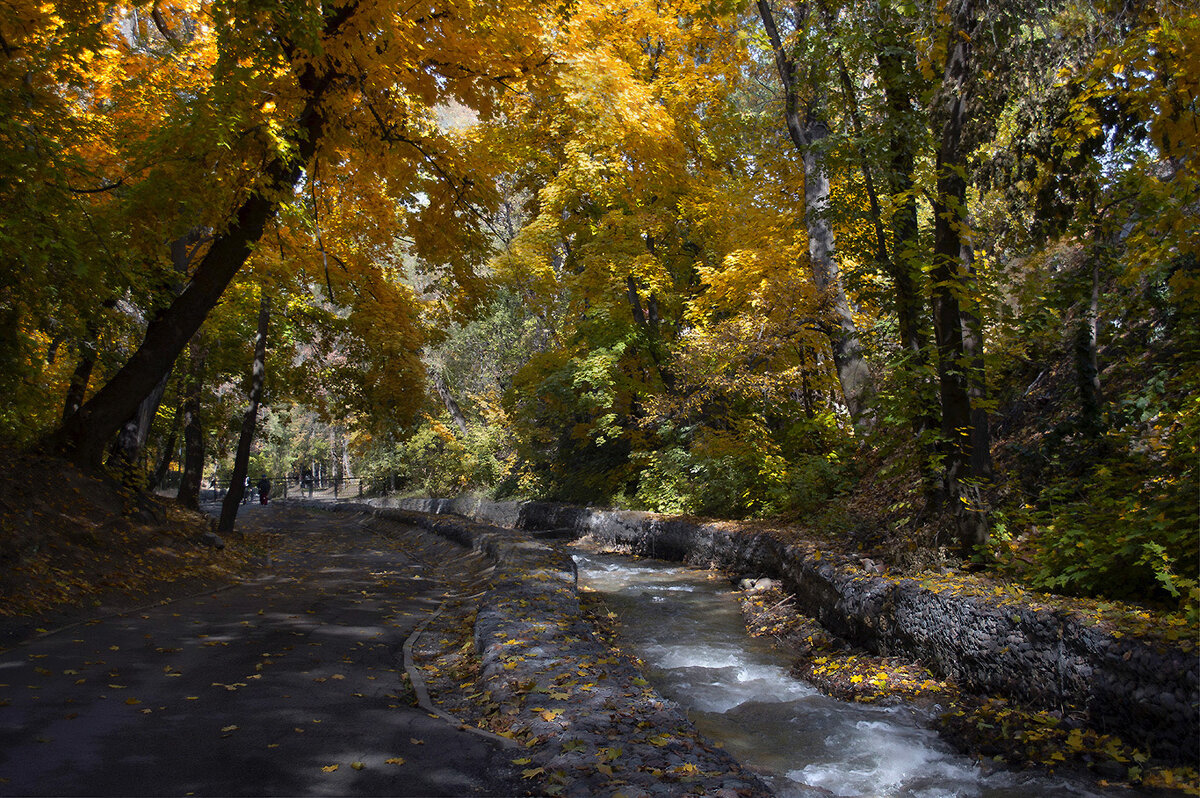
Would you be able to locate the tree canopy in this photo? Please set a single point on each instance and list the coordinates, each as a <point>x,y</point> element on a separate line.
<point>922,272</point>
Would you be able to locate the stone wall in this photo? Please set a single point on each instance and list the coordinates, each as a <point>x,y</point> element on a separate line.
<point>990,642</point>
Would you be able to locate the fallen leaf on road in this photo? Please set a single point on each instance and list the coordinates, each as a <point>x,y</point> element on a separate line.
<point>415,741</point>
<point>396,760</point>
<point>229,728</point>
<point>357,765</point>
<point>132,701</point>
<point>330,768</point>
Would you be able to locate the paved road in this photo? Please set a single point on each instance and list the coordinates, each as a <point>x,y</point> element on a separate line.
<point>288,684</point>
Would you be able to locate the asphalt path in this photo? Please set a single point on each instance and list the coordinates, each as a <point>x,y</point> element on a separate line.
<point>289,683</point>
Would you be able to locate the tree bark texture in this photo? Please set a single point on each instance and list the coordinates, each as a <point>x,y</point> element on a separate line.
<point>193,427</point>
<point>807,129</point>
<point>132,437</point>
<point>241,460</point>
<point>956,318</point>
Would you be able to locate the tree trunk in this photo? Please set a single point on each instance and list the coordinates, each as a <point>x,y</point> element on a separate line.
<point>168,455</point>
<point>648,325</point>
<point>347,466</point>
<point>134,432</point>
<point>853,372</point>
<point>85,435</point>
<point>965,443</point>
<point>899,75</point>
<point>241,460</point>
<point>80,378</point>
<point>1087,360</point>
<point>456,414</point>
<point>193,428</point>
<point>896,68</point>
<point>807,130</point>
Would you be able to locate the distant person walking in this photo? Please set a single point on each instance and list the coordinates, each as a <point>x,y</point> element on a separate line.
<point>264,489</point>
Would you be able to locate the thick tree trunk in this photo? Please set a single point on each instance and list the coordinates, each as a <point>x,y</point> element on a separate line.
<point>241,460</point>
<point>965,441</point>
<point>193,428</point>
<point>85,435</point>
<point>853,372</point>
<point>899,257</point>
<point>133,434</point>
<point>807,129</point>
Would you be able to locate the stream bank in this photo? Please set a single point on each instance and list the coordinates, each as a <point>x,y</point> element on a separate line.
<point>582,719</point>
<point>989,641</point>
<point>740,691</point>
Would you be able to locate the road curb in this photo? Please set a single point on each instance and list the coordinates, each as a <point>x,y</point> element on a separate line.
<point>590,722</point>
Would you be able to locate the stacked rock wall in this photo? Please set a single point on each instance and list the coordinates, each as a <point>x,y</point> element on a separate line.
<point>1140,688</point>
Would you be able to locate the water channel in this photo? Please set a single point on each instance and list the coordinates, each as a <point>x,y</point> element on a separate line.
<point>687,627</point>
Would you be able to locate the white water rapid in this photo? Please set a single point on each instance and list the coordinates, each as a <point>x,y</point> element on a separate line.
<point>686,626</point>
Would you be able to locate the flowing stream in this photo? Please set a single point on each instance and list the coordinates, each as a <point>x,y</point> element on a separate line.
<point>687,627</point>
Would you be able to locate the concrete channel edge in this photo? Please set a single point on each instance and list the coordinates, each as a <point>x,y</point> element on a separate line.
<point>589,722</point>
<point>1145,689</point>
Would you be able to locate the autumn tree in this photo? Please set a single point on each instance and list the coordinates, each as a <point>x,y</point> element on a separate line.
<point>343,76</point>
<point>799,63</point>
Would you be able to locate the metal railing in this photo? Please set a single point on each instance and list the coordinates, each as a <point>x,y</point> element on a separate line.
<point>293,487</point>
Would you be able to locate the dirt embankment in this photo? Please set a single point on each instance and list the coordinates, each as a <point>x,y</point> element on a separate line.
<point>73,545</point>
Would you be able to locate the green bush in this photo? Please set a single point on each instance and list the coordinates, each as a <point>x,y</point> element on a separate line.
<point>734,473</point>
<point>1132,531</point>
